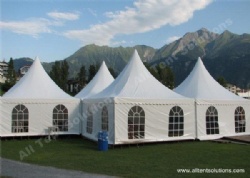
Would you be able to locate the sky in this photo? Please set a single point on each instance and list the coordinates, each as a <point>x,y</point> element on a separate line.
<point>55,29</point>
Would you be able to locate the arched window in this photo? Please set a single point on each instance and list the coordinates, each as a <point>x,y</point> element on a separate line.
<point>89,126</point>
<point>240,121</point>
<point>20,119</point>
<point>176,122</point>
<point>60,118</point>
<point>136,123</point>
<point>212,124</point>
<point>105,119</point>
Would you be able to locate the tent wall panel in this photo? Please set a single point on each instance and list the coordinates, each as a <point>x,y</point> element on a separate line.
<point>40,118</point>
<point>1,116</point>
<point>96,108</point>
<point>156,122</point>
<point>225,117</point>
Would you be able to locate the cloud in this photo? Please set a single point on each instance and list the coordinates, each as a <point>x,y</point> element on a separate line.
<point>144,16</point>
<point>31,27</point>
<point>36,26</point>
<point>64,15</point>
<point>172,39</point>
<point>122,42</point>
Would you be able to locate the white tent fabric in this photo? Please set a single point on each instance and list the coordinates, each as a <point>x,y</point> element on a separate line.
<point>1,114</point>
<point>102,79</point>
<point>135,81</point>
<point>41,96</point>
<point>201,86</point>
<point>135,86</point>
<point>36,84</point>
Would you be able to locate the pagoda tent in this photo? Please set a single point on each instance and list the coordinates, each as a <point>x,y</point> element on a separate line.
<point>219,112</point>
<point>1,111</point>
<point>102,79</point>
<point>35,105</point>
<point>137,108</point>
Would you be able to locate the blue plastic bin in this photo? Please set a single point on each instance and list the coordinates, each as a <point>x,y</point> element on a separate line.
<point>102,141</point>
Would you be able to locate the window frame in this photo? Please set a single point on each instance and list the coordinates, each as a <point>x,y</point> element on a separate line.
<point>20,119</point>
<point>60,118</point>
<point>212,121</point>
<point>136,123</point>
<point>105,119</point>
<point>176,122</point>
<point>240,120</point>
<point>89,125</point>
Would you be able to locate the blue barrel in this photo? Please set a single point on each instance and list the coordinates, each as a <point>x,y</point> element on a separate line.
<point>102,141</point>
<point>105,138</point>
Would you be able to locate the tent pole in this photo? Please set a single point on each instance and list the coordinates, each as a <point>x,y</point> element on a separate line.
<point>81,115</point>
<point>196,120</point>
<point>113,99</point>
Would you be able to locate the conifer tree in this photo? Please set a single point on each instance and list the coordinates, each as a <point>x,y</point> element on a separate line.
<point>11,75</point>
<point>92,72</point>
<point>81,77</point>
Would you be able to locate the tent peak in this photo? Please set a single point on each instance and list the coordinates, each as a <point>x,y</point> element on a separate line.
<point>36,84</point>
<point>135,81</point>
<point>199,84</point>
<point>37,59</point>
<point>103,64</point>
<point>100,81</point>
<point>135,55</point>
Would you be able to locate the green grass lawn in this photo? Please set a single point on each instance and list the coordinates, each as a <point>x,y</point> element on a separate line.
<point>149,160</point>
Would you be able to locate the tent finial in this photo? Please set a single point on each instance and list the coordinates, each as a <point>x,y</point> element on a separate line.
<point>37,58</point>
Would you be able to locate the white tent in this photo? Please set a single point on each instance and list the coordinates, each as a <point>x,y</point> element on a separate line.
<point>102,79</point>
<point>218,111</point>
<point>36,104</point>
<point>1,115</point>
<point>138,108</point>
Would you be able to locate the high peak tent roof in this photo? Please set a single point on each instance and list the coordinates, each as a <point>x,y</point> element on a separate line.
<point>36,84</point>
<point>102,79</point>
<point>135,81</point>
<point>201,85</point>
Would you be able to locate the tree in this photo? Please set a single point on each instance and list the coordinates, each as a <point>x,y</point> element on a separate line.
<point>55,73</point>
<point>153,70</point>
<point>112,72</point>
<point>64,74</point>
<point>167,77</point>
<point>92,72</point>
<point>162,73</point>
<point>81,77</point>
<point>59,74</point>
<point>221,80</point>
<point>11,75</point>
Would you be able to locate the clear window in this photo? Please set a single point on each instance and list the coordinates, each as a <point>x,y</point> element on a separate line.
<point>60,118</point>
<point>240,121</point>
<point>212,125</point>
<point>176,122</point>
<point>89,127</point>
<point>105,119</point>
<point>136,123</point>
<point>20,119</point>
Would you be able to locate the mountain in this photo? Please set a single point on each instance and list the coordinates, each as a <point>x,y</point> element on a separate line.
<point>186,44</point>
<point>25,61</point>
<point>115,58</point>
<point>225,54</point>
<point>229,56</point>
